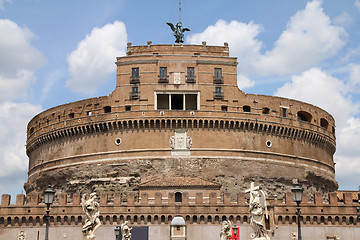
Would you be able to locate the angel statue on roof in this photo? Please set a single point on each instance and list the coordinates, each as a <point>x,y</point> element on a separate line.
<point>178,31</point>
<point>258,211</point>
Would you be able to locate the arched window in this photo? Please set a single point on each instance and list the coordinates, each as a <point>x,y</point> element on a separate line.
<point>246,108</point>
<point>266,110</point>
<point>178,197</point>
<point>324,123</point>
<point>304,116</point>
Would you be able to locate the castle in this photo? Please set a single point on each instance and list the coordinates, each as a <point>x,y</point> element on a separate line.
<point>177,137</point>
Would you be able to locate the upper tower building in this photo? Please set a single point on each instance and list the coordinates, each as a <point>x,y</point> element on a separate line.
<point>176,111</point>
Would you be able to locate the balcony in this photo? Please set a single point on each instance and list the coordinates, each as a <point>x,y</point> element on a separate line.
<point>134,95</point>
<point>134,79</point>
<point>218,80</point>
<point>218,95</point>
<point>163,79</point>
<point>190,79</point>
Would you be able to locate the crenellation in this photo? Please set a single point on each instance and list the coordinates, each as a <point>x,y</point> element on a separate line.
<point>5,199</point>
<point>20,199</point>
<point>199,198</point>
<point>213,200</point>
<point>348,200</point>
<point>227,199</point>
<point>62,199</point>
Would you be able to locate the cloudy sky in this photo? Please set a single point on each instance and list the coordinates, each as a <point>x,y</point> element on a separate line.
<point>55,52</point>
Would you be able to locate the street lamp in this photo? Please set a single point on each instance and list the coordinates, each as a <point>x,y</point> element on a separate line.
<point>297,192</point>
<point>117,231</point>
<point>48,199</point>
<point>235,231</point>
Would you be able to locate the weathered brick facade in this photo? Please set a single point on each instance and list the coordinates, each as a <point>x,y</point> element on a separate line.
<point>181,91</point>
<point>177,125</point>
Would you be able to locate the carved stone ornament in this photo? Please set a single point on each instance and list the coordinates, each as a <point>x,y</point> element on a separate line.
<point>177,78</point>
<point>258,211</point>
<point>92,213</point>
<point>180,140</point>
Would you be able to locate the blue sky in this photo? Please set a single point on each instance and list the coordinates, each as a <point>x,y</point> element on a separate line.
<point>307,50</point>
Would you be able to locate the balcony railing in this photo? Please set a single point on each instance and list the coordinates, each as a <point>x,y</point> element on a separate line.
<point>134,95</point>
<point>190,79</point>
<point>218,80</point>
<point>218,95</point>
<point>163,79</point>
<point>134,79</point>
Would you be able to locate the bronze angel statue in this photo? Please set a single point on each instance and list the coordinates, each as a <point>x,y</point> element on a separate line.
<point>178,31</point>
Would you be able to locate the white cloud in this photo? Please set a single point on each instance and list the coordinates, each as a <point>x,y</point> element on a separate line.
<point>353,52</point>
<point>309,39</point>
<point>317,87</point>
<point>347,157</point>
<point>13,121</point>
<point>240,36</point>
<point>321,89</point>
<point>92,63</point>
<point>18,60</point>
<point>354,76</point>
<point>357,4</point>
<point>244,82</point>
<point>343,19</point>
<point>2,3</point>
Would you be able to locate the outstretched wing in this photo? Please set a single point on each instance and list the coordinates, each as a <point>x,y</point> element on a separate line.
<point>263,202</point>
<point>185,29</point>
<point>171,26</point>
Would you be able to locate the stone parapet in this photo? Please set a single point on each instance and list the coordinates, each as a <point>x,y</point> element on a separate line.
<point>204,209</point>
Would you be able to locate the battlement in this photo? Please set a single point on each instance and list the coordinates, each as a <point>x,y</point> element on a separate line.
<point>339,208</point>
<point>178,49</point>
<point>347,198</point>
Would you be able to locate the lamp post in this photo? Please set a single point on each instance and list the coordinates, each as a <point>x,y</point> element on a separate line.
<point>297,192</point>
<point>48,199</point>
<point>117,231</point>
<point>235,231</point>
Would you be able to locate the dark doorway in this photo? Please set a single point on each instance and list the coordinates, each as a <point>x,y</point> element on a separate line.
<point>177,102</point>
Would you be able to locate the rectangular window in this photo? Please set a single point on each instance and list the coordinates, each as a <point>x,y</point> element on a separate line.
<point>224,108</point>
<point>217,72</point>
<point>218,79</point>
<point>135,72</point>
<point>135,89</point>
<point>190,75</point>
<point>163,78</point>
<point>283,112</point>
<point>107,109</point>
<point>190,102</point>
<point>177,102</point>
<point>134,76</point>
<point>134,93</point>
<point>218,94</point>
<point>163,72</point>
<point>163,101</point>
